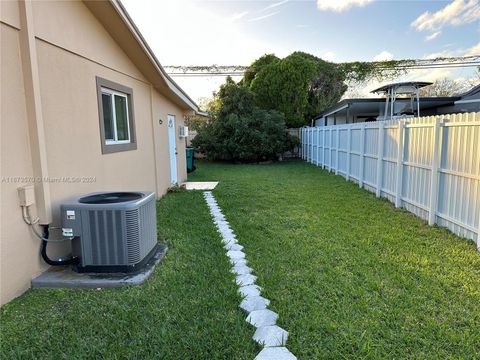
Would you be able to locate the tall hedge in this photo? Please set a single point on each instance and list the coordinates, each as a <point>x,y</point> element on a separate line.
<point>240,131</point>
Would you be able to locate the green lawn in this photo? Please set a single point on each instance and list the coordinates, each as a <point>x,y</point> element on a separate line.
<point>187,310</point>
<point>349,275</point>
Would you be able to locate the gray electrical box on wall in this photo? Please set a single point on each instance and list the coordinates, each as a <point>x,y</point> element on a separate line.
<point>113,231</point>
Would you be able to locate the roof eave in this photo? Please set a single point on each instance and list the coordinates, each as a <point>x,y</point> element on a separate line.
<point>162,80</point>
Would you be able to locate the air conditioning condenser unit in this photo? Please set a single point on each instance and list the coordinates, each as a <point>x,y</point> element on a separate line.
<point>112,231</point>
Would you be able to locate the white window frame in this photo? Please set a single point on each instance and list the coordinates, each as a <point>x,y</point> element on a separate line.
<point>112,93</point>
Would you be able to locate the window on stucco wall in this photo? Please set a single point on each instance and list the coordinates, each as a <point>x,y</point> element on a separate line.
<point>117,125</point>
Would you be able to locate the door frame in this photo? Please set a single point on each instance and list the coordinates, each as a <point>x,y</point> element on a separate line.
<point>172,148</point>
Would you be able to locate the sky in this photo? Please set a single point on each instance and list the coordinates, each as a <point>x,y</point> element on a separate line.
<point>222,32</point>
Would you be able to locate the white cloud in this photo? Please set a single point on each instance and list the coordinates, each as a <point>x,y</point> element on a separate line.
<point>340,5</point>
<point>452,73</point>
<point>471,51</point>
<point>258,18</point>
<point>432,36</point>
<point>383,56</point>
<point>458,12</point>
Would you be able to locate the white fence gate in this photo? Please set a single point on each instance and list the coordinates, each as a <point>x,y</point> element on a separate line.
<point>428,165</point>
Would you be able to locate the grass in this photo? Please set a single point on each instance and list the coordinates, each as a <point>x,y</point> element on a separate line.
<point>187,310</point>
<point>350,275</point>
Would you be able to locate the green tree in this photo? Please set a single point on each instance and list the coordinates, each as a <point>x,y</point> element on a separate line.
<point>300,86</point>
<point>240,131</point>
<point>256,66</point>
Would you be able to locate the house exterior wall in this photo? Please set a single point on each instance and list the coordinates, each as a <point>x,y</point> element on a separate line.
<point>72,48</point>
<point>19,251</point>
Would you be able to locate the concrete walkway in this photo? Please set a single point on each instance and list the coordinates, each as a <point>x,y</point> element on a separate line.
<point>200,185</point>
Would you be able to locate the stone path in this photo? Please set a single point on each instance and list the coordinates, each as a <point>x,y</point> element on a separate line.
<point>269,335</point>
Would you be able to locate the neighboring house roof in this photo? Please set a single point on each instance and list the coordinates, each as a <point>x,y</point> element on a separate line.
<point>473,91</point>
<point>375,105</point>
<point>415,84</point>
<point>114,17</point>
<point>471,96</point>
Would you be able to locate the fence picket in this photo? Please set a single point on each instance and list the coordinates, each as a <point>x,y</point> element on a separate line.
<point>437,149</point>
<point>349,155</point>
<point>478,230</point>
<point>381,143</point>
<point>400,154</point>
<point>338,147</point>
<point>324,147</point>
<point>362,157</point>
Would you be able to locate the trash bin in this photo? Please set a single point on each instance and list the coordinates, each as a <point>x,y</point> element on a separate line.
<point>190,160</point>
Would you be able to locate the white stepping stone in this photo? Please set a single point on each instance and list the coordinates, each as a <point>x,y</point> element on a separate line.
<point>224,229</point>
<point>249,291</point>
<point>234,240</point>
<point>271,336</point>
<point>265,317</point>
<point>254,303</point>
<point>231,240</point>
<point>233,246</point>
<point>275,353</point>
<point>228,235</point>
<point>242,270</point>
<point>238,262</point>
<point>234,254</point>
<point>247,279</point>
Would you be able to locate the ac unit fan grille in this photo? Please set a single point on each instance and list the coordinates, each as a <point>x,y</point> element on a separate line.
<point>106,236</point>
<point>133,236</point>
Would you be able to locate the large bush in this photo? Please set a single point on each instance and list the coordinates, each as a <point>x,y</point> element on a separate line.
<point>256,67</point>
<point>240,131</point>
<point>300,85</point>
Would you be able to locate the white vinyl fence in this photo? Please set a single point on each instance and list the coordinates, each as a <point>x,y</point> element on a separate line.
<point>428,165</point>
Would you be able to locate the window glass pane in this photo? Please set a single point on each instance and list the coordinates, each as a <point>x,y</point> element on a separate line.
<point>107,116</point>
<point>121,116</point>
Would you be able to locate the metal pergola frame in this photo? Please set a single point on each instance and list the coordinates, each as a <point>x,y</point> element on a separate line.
<point>391,91</point>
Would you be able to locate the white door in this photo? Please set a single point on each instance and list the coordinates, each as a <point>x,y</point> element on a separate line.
<point>172,149</point>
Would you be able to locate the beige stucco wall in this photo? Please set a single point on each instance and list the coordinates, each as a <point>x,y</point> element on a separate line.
<point>19,259</point>
<point>72,49</point>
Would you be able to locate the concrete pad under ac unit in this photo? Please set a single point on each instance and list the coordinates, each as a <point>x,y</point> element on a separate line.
<point>65,277</point>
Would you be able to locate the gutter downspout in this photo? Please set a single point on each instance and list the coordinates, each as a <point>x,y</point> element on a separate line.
<point>36,129</point>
